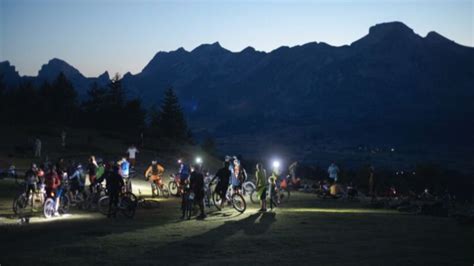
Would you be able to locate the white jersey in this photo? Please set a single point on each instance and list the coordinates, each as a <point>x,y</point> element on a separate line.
<point>132,152</point>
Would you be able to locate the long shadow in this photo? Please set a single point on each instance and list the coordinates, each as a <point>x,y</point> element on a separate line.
<point>206,242</point>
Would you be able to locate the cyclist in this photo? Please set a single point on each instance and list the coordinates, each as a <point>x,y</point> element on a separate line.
<point>76,180</point>
<point>92,171</point>
<point>261,184</point>
<point>53,183</point>
<point>154,172</point>
<point>197,187</point>
<point>238,175</point>
<point>222,176</point>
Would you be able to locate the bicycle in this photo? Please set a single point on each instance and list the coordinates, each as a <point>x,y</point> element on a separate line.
<point>248,187</point>
<point>173,185</point>
<point>127,204</point>
<point>49,207</point>
<point>35,199</point>
<point>158,189</point>
<point>233,196</point>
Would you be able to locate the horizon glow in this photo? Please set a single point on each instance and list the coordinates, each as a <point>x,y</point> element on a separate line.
<point>123,36</point>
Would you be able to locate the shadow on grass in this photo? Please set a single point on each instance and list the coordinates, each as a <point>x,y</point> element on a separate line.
<point>195,246</point>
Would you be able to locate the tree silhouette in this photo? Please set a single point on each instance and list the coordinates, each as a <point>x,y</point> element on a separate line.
<point>170,121</point>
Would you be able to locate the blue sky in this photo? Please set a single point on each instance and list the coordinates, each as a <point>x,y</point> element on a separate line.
<point>121,36</point>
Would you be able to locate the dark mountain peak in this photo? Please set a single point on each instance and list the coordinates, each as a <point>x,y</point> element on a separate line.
<point>435,37</point>
<point>388,33</point>
<point>390,28</point>
<point>248,49</point>
<point>51,70</point>
<point>104,77</point>
<point>181,50</point>
<point>5,63</point>
<point>8,74</point>
<point>209,49</point>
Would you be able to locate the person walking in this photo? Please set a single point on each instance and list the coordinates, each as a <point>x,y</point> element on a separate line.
<point>37,147</point>
<point>261,184</point>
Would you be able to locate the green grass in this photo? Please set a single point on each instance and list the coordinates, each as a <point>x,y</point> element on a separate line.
<point>304,232</point>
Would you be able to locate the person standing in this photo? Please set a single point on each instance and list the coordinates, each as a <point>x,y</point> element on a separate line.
<point>261,184</point>
<point>114,184</point>
<point>37,147</point>
<point>333,172</point>
<point>372,181</point>
<point>92,172</point>
<point>132,155</point>
<point>63,139</point>
<point>196,183</point>
<point>222,176</point>
<point>272,188</point>
<point>124,170</point>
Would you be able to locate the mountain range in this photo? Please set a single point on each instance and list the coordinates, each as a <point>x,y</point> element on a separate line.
<point>391,87</point>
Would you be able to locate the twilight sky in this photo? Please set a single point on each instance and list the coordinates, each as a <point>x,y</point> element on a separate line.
<point>123,35</point>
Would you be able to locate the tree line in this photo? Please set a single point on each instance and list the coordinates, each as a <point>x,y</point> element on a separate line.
<point>57,104</point>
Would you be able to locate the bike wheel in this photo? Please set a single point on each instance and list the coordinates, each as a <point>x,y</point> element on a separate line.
<point>103,205</point>
<point>20,204</point>
<point>283,195</point>
<point>248,187</point>
<point>238,202</point>
<point>254,197</point>
<point>49,208</point>
<point>127,207</point>
<point>165,191</point>
<point>132,198</point>
<point>216,199</point>
<point>64,204</point>
<point>173,188</point>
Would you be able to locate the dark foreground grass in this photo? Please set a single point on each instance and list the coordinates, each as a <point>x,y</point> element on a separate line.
<point>304,232</point>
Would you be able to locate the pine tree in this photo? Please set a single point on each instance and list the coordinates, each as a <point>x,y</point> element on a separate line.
<point>171,123</point>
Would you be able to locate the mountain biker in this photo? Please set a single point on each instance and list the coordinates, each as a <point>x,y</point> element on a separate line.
<point>238,175</point>
<point>222,176</point>
<point>92,171</point>
<point>114,184</point>
<point>261,184</point>
<point>154,172</point>
<point>333,171</point>
<point>196,183</point>
<point>53,183</point>
<point>31,179</point>
<point>76,179</point>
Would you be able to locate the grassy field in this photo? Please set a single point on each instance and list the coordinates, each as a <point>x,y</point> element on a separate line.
<point>306,231</point>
